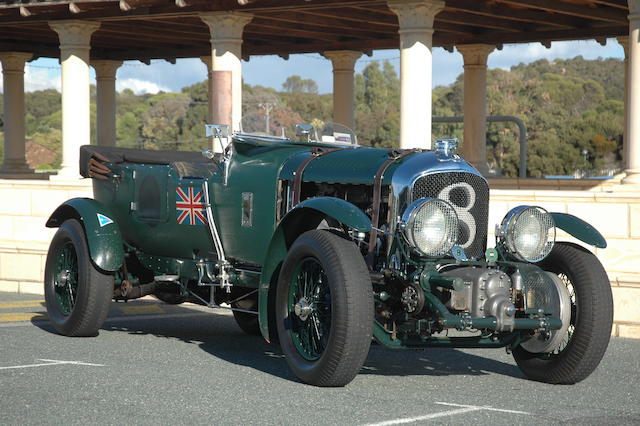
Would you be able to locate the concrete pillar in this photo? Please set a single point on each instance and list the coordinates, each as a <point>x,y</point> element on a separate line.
<point>207,61</point>
<point>416,36</point>
<point>74,38</point>
<point>106,101</point>
<point>226,66</point>
<point>474,147</point>
<point>624,42</point>
<point>14,164</point>
<point>343,62</point>
<point>633,93</point>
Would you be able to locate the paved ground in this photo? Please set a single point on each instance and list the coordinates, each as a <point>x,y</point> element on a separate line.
<point>158,364</point>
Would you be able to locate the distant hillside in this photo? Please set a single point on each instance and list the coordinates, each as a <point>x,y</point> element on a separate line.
<point>569,107</point>
<point>572,108</point>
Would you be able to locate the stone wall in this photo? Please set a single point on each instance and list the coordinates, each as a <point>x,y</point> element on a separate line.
<point>613,210</point>
<point>25,206</point>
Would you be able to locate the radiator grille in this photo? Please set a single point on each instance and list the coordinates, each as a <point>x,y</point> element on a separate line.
<point>469,195</point>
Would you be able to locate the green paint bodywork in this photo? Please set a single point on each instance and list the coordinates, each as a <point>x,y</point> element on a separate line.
<point>141,201</point>
<point>105,242</point>
<point>579,228</point>
<point>303,217</point>
<point>350,166</point>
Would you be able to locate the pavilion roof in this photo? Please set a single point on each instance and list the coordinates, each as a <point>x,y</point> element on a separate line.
<point>169,29</point>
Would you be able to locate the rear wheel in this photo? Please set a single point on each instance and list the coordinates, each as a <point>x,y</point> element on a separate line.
<point>585,340</point>
<point>246,321</point>
<point>77,294</point>
<point>324,309</point>
<point>170,298</point>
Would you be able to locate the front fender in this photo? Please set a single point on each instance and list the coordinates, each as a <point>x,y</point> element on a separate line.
<point>102,233</point>
<point>303,217</point>
<point>580,229</point>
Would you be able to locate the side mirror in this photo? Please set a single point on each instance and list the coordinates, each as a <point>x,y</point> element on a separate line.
<point>303,131</point>
<point>220,132</point>
<point>208,154</point>
<point>216,130</point>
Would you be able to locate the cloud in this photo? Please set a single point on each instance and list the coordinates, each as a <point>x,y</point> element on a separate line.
<point>525,53</point>
<point>36,78</point>
<point>139,86</point>
<point>167,76</point>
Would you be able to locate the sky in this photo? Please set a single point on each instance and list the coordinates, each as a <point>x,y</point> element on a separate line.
<point>272,71</point>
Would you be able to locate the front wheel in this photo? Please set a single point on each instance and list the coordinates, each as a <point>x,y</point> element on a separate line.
<point>324,309</point>
<point>77,294</point>
<point>585,340</point>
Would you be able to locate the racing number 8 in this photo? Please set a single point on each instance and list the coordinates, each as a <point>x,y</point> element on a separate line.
<point>463,211</point>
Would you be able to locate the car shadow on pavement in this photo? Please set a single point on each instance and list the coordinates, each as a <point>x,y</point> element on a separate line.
<point>218,335</point>
<point>435,362</point>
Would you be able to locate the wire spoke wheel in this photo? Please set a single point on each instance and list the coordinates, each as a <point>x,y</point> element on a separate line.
<point>584,342</point>
<point>324,309</point>
<point>66,278</point>
<point>310,309</point>
<point>77,294</point>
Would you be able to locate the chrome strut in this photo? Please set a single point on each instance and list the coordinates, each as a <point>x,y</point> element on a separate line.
<point>223,264</point>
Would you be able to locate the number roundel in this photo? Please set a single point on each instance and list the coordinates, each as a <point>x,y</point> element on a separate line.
<point>463,211</point>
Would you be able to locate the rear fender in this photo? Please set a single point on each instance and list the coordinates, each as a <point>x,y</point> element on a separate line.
<point>303,217</point>
<point>579,229</point>
<point>102,233</point>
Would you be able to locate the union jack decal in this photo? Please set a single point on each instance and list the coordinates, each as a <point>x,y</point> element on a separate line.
<point>190,208</point>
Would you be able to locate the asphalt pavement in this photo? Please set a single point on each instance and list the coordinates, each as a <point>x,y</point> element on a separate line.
<point>154,363</point>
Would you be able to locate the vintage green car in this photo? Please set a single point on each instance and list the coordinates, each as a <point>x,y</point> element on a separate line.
<point>322,245</point>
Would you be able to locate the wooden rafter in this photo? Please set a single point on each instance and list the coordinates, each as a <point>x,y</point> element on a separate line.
<point>149,29</point>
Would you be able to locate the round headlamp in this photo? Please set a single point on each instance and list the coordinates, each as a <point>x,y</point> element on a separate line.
<point>528,233</point>
<point>430,226</point>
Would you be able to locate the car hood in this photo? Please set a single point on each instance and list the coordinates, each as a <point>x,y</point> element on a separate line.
<point>360,165</point>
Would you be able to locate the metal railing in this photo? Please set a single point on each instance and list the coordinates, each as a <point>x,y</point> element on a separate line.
<point>522,134</point>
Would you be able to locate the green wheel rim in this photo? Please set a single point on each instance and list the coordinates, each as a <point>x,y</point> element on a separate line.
<point>309,309</point>
<point>65,279</point>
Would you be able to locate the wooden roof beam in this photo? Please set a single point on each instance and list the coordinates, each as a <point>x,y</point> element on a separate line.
<point>262,24</point>
<point>620,4</point>
<point>309,21</point>
<point>513,14</point>
<point>357,17</point>
<point>551,35</point>
<point>605,14</point>
<point>481,21</point>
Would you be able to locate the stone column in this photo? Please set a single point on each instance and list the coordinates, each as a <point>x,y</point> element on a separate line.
<point>624,42</point>
<point>343,62</point>
<point>106,101</point>
<point>632,113</point>
<point>226,67</point>
<point>416,36</point>
<point>474,147</point>
<point>15,164</point>
<point>207,61</point>
<point>74,38</point>
<point>633,93</point>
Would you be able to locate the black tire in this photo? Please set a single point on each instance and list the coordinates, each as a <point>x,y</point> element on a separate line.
<point>246,321</point>
<point>170,298</point>
<point>77,301</point>
<point>591,319</point>
<point>344,303</point>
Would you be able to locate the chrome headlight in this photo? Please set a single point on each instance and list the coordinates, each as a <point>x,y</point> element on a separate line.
<point>527,232</point>
<point>430,225</point>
